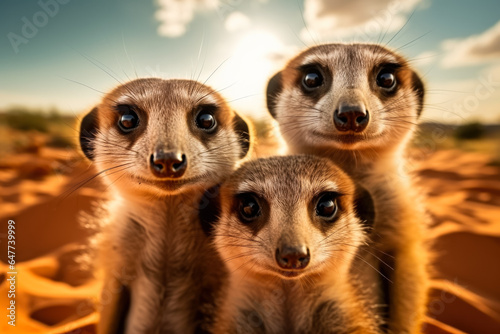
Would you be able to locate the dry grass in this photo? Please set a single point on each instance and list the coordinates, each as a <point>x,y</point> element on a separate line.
<point>24,130</point>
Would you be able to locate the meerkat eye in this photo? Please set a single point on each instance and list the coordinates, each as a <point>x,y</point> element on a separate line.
<point>249,208</point>
<point>205,119</point>
<point>386,79</point>
<point>326,207</point>
<point>128,118</point>
<point>312,79</point>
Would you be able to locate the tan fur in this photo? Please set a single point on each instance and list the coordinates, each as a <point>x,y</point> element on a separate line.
<point>375,158</point>
<point>153,243</point>
<point>261,297</point>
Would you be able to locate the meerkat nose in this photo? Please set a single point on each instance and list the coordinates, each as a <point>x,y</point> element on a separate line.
<point>171,164</point>
<point>351,118</point>
<point>293,257</point>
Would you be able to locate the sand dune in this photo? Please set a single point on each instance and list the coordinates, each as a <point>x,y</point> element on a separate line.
<point>56,295</point>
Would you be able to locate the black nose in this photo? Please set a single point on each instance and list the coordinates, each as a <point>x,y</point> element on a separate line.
<point>293,257</point>
<point>168,164</point>
<point>351,118</point>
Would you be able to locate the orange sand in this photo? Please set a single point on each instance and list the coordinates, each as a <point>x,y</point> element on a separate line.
<point>55,295</point>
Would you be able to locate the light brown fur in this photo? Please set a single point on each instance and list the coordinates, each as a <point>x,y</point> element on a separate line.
<point>151,242</point>
<point>374,157</point>
<point>263,298</point>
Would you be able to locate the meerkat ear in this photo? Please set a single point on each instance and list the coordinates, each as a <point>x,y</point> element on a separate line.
<point>209,209</point>
<point>243,131</point>
<point>274,87</point>
<point>419,88</point>
<point>364,207</point>
<point>88,130</point>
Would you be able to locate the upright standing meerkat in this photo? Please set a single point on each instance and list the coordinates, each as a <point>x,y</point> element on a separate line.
<point>159,145</point>
<point>358,105</point>
<point>288,229</point>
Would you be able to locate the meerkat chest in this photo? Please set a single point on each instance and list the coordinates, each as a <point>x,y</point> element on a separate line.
<point>168,256</point>
<point>285,308</point>
<point>157,238</point>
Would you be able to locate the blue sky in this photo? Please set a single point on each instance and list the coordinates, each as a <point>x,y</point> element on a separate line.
<point>87,47</point>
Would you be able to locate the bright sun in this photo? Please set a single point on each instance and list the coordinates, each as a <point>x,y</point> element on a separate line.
<point>253,62</point>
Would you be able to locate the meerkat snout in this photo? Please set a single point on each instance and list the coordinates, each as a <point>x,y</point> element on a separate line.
<point>351,113</point>
<point>170,164</point>
<point>293,257</point>
<point>351,117</point>
<point>294,254</point>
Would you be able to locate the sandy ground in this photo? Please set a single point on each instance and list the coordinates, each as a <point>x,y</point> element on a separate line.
<point>53,294</point>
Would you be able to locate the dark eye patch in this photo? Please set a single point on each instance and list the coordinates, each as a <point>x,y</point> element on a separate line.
<point>314,80</point>
<point>129,119</point>
<point>386,76</point>
<point>327,206</point>
<point>386,79</point>
<point>249,208</point>
<point>392,66</point>
<point>205,117</point>
<point>252,210</point>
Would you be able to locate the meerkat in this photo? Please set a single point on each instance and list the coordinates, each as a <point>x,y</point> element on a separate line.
<point>159,145</point>
<point>288,228</point>
<point>358,104</point>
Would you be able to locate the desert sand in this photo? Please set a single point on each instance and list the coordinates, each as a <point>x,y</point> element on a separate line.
<point>43,193</point>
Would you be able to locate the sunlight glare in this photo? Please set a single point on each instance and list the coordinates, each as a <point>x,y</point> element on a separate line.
<point>253,62</point>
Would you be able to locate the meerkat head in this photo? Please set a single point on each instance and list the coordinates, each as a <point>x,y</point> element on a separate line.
<point>346,96</point>
<point>161,137</point>
<point>289,217</point>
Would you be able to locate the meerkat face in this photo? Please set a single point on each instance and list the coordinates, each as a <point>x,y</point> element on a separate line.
<point>288,217</point>
<point>163,136</point>
<point>346,96</point>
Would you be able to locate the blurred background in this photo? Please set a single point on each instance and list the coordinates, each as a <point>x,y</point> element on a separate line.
<point>58,57</point>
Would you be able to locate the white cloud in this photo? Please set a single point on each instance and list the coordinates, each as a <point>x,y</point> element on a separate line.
<point>341,18</point>
<point>175,15</point>
<point>237,21</point>
<point>473,50</point>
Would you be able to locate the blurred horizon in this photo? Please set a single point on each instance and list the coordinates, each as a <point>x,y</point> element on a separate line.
<point>63,54</point>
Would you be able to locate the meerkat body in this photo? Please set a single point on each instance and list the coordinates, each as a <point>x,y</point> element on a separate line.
<point>358,104</point>
<point>166,142</point>
<point>288,231</point>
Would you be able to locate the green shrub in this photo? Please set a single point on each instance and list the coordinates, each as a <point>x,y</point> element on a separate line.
<point>61,142</point>
<point>25,120</point>
<point>473,130</point>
